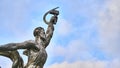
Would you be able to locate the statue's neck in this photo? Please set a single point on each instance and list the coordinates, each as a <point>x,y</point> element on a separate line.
<point>37,40</point>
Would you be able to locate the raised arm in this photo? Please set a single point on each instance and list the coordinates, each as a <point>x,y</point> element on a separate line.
<point>14,46</point>
<point>49,33</point>
<point>53,20</point>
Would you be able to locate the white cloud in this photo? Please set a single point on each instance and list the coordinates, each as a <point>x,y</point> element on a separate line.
<point>79,64</point>
<point>74,50</point>
<point>109,27</point>
<point>87,64</point>
<point>114,63</point>
<point>64,27</point>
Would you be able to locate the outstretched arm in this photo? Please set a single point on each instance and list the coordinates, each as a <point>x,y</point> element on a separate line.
<point>15,46</point>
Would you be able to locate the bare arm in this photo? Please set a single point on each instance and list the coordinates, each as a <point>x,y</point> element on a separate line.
<point>50,29</point>
<point>15,46</point>
<point>49,33</point>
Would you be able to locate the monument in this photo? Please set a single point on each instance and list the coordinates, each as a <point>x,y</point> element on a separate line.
<point>33,49</point>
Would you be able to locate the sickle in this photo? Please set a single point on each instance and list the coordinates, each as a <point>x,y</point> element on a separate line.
<point>44,17</point>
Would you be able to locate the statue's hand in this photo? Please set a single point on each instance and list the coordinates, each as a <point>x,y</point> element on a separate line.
<point>53,19</point>
<point>54,12</point>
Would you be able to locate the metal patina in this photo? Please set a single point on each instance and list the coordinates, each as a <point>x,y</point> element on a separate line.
<point>34,49</point>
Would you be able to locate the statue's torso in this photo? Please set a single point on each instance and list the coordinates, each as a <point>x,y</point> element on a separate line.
<point>36,57</point>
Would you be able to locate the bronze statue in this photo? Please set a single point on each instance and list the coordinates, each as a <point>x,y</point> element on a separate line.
<point>34,49</point>
<point>15,57</point>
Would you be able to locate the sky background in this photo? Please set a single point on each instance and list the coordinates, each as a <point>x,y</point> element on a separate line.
<point>87,34</point>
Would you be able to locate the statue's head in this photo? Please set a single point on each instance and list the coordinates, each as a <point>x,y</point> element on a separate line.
<point>39,32</point>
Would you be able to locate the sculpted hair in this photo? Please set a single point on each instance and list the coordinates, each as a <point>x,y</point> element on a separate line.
<point>37,30</point>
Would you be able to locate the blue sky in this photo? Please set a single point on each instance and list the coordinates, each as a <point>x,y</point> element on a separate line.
<point>86,34</point>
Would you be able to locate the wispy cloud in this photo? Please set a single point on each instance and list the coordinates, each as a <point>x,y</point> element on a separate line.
<point>73,51</point>
<point>109,29</point>
<point>64,27</point>
<point>107,23</point>
<point>79,22</point>
<point>87,64</point>
<point>80,64</point>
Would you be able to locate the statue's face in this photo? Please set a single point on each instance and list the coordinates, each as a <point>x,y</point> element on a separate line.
<point>42,33</point>
<point>39,32</point>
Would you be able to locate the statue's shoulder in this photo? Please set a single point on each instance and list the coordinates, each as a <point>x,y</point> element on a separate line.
<point>30,41</point>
